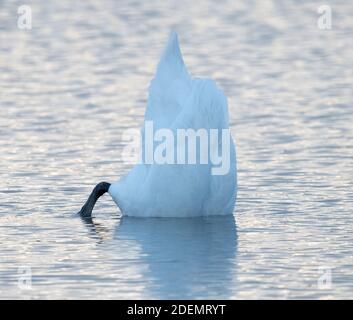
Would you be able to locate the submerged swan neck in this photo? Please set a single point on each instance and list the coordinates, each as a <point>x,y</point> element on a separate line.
<point>100,189</point>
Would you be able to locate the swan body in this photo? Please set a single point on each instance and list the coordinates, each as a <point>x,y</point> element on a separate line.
<point>177,101</point>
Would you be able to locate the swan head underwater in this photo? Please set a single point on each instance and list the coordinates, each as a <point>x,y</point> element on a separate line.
<point>192,171</point>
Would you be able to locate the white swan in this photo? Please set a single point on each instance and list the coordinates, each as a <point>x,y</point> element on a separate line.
<point>154,189</point>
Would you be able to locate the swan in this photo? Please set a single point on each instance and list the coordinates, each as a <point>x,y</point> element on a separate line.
<point>169,187</point>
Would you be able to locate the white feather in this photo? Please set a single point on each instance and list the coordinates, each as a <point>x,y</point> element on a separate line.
<point>176,101</point>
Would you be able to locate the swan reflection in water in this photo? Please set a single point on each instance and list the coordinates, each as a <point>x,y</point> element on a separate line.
<point>184,257</point>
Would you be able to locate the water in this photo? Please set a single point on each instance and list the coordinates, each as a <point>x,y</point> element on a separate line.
<point>72,84</point>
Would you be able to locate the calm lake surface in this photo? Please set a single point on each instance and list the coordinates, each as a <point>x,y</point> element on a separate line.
<point>72,84</point>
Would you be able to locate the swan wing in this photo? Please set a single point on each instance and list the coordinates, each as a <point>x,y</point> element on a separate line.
<point>178,102</point>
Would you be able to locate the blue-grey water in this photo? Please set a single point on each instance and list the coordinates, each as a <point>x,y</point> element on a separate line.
<point>72,84</point>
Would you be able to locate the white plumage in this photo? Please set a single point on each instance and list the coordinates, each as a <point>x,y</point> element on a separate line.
<point>177,101</point>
